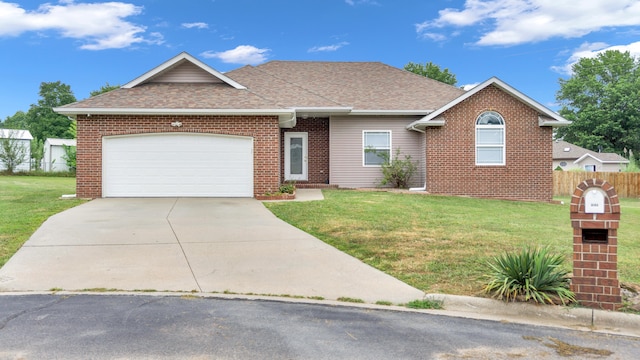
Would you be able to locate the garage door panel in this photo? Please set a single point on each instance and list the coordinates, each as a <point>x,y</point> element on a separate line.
<point>195,165</point>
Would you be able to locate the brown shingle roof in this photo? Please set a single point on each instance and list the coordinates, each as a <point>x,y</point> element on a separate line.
<point>176,96</point>
<point>361,85</point>
<point>287,84</point>
<point>285,94</point>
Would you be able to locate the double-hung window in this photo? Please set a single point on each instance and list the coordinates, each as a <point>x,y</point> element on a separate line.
<point>376,146</point>
<point>490,149</point>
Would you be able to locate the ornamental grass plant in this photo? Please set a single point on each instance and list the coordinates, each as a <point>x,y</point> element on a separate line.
<point>534,274</point>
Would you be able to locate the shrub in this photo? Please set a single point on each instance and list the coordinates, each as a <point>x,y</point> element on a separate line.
<point>531,275</point>
<point>632,166</point>
<point>70,157</point>
<point>397,172</point>
<point>288,188</point>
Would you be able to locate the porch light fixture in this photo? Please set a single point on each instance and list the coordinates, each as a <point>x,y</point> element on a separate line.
<point>176,124</point>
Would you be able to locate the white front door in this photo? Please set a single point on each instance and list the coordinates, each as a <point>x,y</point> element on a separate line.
<point>295,156</point>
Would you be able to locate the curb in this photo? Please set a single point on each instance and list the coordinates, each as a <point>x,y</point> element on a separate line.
<point>572,318</point>
<point>575,318</point>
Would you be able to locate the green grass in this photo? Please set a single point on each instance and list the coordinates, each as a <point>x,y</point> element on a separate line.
<point>25,203</point>
<point>434,243</point>
<point>443,244</point>
<point>425,304</point>
<point>351,300</point>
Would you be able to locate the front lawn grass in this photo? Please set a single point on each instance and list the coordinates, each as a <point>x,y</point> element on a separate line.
<point>25,203</point>
<point>443,244</point>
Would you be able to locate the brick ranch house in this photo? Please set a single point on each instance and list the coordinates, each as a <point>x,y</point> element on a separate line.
<point>185,129</point>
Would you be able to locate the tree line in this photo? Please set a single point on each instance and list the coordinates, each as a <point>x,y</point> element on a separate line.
<point>42,122</point>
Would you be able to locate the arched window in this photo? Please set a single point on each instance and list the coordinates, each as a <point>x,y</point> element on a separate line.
<point>490,139</point>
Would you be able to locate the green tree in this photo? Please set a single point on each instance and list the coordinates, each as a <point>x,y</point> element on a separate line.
<point>602,98</point>
<point>70,157</point>
<point>16,121</point>
<point>12,152</point>
<point>104,88</point>
<point>37,153</point>
<point>42,121</point>
<point>432,71</point>
<point>72,131</point>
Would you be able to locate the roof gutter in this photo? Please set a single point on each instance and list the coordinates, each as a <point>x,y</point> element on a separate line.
<point>147,111</point>
<point>286,122</point>
<point>422,124</point>
<point>286,117</point>
<point>414,128</point>
<point>542,121</point>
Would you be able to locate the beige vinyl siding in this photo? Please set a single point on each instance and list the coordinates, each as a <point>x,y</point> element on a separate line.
<point>186,73</point>
<point>345,155</point>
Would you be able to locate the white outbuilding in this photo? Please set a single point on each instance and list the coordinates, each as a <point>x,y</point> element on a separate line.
<point>54,154</point>
<point>23,139</point>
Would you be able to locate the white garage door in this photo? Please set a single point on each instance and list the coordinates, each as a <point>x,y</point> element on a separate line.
<point>167,165</point>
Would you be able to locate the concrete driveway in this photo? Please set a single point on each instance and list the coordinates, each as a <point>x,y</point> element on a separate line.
<point>190,244</point>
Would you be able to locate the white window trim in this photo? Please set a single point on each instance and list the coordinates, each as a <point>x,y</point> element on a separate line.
<point>504,141</point>
<point>363,147</point>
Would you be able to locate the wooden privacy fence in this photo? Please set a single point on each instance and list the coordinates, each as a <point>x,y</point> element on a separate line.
<point>626,184</point>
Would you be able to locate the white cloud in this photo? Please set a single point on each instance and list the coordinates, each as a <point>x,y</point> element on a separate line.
<point>591,50</point>
<point>98,25</point>
<point>243,54</point>
<point>328,48</point>
<point>434,36</point>
<point>361,2</point>
<point>197,25</point>
<point>468,87</point>
<point>515,22</point>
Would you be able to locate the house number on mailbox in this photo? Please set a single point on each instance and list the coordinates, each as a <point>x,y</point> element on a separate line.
<point>594,202</point>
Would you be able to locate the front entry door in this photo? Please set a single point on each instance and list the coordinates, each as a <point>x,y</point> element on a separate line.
<point>295,156</point>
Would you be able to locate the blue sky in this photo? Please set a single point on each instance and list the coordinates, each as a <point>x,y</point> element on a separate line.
<point>529,44</point>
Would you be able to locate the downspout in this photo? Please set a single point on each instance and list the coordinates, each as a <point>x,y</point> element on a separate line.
<point>290,123</point>
<point>424,188</point>
<point>414,128</point>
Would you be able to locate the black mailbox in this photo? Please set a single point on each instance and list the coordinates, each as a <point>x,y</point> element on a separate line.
<point>595,236</point>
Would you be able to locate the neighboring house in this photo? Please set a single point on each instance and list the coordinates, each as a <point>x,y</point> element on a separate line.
<point>23,139</point>
<point>55,154</point>
<point>185,129</point>
<point>572,157</point>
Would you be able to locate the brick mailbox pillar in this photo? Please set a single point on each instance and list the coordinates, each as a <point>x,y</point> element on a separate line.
<point>595,216</point>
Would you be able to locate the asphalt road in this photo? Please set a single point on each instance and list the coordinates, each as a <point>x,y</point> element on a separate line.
<point>166,327</point>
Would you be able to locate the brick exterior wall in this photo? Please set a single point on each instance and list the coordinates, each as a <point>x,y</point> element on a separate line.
<point>451,167</point>
<point>91,129</point>
<point>595,264</point>
<point>318,159</point>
